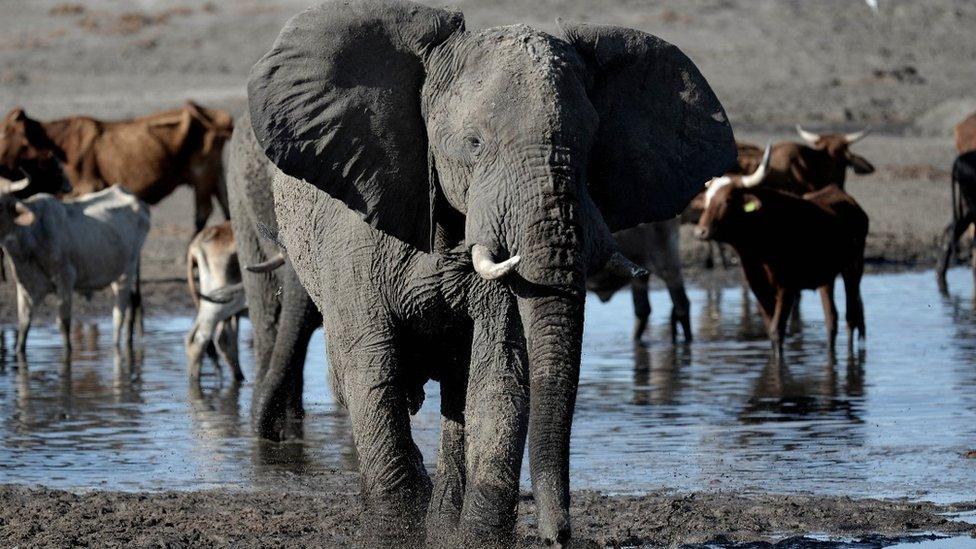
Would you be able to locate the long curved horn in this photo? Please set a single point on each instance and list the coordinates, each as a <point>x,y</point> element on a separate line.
<point>224,295</point>
<point>809,137</point>
<point>757,176</point>
<point>267,266</point>
<point>852,138</point>
<point>8,186</point>
<point>484,263</point>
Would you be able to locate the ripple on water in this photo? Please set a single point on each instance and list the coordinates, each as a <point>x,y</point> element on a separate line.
<point>716,415</point>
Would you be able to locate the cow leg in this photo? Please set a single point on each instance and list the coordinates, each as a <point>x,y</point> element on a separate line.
<point>953,232</point>
<point>227,346</point>
<point>830,314</point>
<point>203,204</point>
<point>855,307</point>
<point>796,323</point>
<point>642,305</point>
<point>64,289</point>
<point>785,299</point>
<point>25,311</point>
<point>121,314</point>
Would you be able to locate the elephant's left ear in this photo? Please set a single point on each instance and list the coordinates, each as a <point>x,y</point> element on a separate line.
<point>662,133</point>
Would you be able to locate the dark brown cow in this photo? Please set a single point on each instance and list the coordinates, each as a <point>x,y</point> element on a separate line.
<point>788,243</point>
<point>965,133</point>
<point>148,156</point>
<point>797,168</point>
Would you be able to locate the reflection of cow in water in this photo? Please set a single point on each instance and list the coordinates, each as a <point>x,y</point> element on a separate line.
<point>963,212</point>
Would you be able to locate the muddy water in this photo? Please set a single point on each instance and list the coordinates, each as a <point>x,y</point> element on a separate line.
<point>894,421</point>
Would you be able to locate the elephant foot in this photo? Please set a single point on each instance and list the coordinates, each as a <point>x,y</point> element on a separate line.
<point>278,423</point>
<point>394,523</point>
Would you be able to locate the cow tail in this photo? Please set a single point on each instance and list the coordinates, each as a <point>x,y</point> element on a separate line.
<point>191,261</point>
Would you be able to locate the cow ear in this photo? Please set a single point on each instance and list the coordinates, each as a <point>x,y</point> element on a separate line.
<point>44,147</point>
<point>662,131</point>
<point>860,165</point>
<point>22,215</point>
<point>751,203</point>
<point>336,102</point>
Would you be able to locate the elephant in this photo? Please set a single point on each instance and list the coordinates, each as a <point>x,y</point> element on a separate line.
<point>283,317</point>
<point>656,248</point>
<point>442,195</point>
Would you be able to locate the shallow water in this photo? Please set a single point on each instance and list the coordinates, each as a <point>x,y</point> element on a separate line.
<point>892,422</point>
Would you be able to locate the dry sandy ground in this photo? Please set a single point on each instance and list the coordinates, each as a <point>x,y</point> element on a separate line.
<point>907,71</point>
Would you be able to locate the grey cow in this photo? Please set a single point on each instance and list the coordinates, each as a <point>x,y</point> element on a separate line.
<point>656,247</point>
<point>78,245</point>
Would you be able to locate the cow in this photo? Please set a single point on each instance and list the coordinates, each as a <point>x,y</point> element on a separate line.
<point>148,156</point>
<point>655,247</point>
<point>788,243</point>
<point>797,168</point>
<point>77,245</point>
<point>212,256</point>
<point>965,134</point>
<point>963,213</point>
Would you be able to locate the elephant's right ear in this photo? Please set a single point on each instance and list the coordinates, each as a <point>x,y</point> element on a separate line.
<point>336,102</point>
<point>662,132</point>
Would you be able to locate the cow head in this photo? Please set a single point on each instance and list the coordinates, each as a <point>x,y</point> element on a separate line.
<point>13,212</point>
<point>838,146</point>
<point>26,148</point>
<point>728,199</point>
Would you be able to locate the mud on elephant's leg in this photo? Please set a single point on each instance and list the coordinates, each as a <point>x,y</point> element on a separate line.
<point>496,413</point>
<point>277,410</point>
<point>395,486</point>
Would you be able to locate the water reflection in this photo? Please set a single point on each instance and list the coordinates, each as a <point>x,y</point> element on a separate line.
<point>713,415</point>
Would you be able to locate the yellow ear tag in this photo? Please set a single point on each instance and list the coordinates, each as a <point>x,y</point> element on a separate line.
<point>750,207</point>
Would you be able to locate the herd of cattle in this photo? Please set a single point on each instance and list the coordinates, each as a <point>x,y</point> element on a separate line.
<point>74,217</point>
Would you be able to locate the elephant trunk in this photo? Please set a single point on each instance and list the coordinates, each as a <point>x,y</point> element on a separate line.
<point>551,308</point>
<point>553,326</point>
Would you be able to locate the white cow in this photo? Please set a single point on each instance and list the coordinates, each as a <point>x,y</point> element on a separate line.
<point>78,245</point>
<point>213,255</point>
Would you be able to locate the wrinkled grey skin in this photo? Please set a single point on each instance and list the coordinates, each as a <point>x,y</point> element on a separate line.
<point>656,247</point>
<point>404,141</point>
<point>282,315</point>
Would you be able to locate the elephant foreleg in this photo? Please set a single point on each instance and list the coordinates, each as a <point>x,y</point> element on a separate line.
<point>447,497</point>
<point>496,415</point>
<point>395,485</point>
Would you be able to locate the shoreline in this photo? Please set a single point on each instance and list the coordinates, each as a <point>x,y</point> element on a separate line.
<point>39,516</point>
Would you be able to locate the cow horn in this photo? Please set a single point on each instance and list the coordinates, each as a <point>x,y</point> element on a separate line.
<point>618,264</point>
<point>809,137</point>
<point>757,176</point>
<point>852,138</point>
<point>484,263</point>
<point>267,266</point>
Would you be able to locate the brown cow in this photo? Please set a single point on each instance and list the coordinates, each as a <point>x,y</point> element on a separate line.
<point>797,168</point>
<point>788,243</point>
<point>965,133</point>
<point>148,156</point>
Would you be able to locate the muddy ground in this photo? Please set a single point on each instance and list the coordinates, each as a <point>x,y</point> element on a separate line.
<point>906,71</point>
<point>40,517</point>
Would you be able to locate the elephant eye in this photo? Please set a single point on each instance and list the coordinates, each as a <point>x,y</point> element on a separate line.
<point>474,144</point>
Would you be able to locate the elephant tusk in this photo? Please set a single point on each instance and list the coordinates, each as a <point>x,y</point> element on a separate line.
<point>267,266</point>
<point>485,264</point>
<point>620,265</point>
